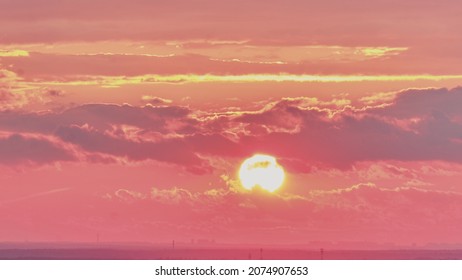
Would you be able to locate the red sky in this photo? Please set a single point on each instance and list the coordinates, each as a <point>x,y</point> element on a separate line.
<point>131,118</point>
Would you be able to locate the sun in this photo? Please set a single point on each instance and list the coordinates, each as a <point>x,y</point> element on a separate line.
<point>263,171</point>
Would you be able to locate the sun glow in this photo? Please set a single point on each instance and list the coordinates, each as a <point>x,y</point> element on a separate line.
<point>262,171</point>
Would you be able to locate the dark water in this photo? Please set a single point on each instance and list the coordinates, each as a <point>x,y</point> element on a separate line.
<point>223,254</point>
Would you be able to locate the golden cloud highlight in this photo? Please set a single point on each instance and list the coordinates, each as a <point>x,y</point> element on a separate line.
<point>13,53</point>
<point>115,81</point>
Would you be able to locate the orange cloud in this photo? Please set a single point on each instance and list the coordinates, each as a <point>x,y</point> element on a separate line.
<point>13,53</point>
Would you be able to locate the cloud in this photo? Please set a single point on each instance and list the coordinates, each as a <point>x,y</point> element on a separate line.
<point>135,133</point>
<point>155,100</point>
<point>169,58</point>
<point>5,96</point>
<point>304,134</point>
<point>182,65</point>
<point>423,102</point>
<point>128,196</point>
<point>99,116</point>
<point>54,92</point>
<point>210,19</point>
<point>353,136</point>
<point>380,170</point>
<point>15,94</point>
<point>116,81</point>
<point>402,209</point>
<point>162,133</point>
<point>170,151</point>
<point>363,34</point>
<point>363,212</point>
<point>13,53</point>
<point>17,148</point>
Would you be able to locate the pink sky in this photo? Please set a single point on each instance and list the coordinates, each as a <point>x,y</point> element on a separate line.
<point>131,118</point>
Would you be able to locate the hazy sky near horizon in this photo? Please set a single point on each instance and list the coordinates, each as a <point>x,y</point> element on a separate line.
<point>131,118</point>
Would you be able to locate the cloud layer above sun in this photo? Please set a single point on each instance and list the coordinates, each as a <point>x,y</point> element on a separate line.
<point>415,125</point>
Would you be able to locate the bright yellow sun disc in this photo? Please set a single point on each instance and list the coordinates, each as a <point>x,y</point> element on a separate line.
<point>263,171</point>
